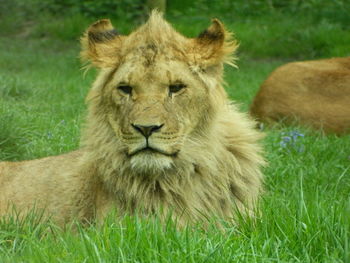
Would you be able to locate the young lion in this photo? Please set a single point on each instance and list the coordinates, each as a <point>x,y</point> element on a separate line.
<point>161,135</point>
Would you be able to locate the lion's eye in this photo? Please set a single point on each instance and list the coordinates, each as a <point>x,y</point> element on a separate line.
<point>125,89</point>
<point>176,88</point>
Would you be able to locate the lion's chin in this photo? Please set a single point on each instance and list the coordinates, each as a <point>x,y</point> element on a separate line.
<point>151,163</point>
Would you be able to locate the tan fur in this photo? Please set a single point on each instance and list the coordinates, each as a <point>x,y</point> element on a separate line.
<point>207,161</point>
<point>316,93</point>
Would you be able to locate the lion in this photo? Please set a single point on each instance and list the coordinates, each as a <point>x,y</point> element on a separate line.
<point>314,93</point>
<point>161,136</point>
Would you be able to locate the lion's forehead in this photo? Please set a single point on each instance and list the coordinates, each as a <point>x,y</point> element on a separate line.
<point>143,68</point>
<point>151,53</point>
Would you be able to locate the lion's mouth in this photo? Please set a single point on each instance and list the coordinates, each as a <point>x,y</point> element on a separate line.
<point>150,150</point>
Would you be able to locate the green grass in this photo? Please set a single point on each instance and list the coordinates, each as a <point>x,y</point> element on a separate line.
<point>306,207</point>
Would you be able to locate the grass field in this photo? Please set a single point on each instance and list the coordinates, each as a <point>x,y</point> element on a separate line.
<point>306,207</point>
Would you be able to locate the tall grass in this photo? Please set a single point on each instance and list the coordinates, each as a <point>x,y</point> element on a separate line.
<point>306,207</point>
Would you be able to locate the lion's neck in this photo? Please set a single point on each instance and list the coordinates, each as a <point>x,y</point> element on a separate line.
<point>185,188</point>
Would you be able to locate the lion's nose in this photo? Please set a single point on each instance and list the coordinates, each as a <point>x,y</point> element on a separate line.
<point>147,130</point>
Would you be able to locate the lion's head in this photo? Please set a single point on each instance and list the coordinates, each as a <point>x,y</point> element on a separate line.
<point>156,88</point>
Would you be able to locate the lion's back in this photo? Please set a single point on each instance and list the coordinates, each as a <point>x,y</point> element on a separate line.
<point>41,183</point>
<point>315,93</point>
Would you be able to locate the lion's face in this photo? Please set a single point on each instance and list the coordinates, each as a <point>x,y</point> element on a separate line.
<point>157,89</point>
<point>154,106</point>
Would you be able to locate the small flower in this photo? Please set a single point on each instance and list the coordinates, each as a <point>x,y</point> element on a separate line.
<point>49,135</point>
<point>289,141</point>
<point>296,134</point>
<point>286,138</point>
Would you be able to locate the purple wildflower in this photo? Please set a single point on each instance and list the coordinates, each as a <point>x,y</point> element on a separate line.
<point>290,141</point>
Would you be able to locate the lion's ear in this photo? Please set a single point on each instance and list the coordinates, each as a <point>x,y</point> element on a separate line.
<point>215,46</point>
<point>101,43</point>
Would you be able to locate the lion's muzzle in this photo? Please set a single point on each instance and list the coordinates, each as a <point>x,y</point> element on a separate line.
<point>147,130</point>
